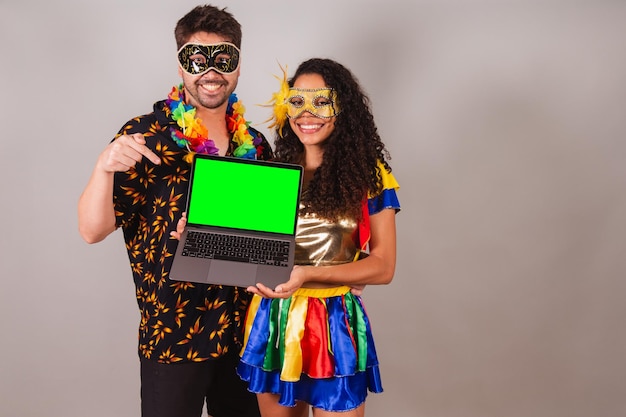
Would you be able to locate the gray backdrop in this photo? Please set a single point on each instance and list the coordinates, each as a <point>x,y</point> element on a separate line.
<point>505,121</point>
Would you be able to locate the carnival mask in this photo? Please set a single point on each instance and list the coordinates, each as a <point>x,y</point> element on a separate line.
<point>320,102</point>
<point>198,59</point>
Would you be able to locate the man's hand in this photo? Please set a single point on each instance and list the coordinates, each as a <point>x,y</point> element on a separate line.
<point>180,227</point>
<point>124,153</point>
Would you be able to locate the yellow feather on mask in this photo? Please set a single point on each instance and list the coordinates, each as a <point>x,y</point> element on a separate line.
<point>279,103</point>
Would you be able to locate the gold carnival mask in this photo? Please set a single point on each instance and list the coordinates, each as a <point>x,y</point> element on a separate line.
<point>320,102</point>
<point>198,59</point>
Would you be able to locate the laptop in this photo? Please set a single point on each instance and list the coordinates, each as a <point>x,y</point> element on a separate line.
<point>241,222</point>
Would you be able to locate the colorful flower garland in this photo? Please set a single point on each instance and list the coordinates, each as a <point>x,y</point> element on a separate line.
<point>194,136</point>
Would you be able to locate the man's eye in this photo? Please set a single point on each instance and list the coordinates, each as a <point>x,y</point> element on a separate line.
<point>223,58</point>
<point>198,59</point>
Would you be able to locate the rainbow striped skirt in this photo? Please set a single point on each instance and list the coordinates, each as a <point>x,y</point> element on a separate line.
<point>315,346</point>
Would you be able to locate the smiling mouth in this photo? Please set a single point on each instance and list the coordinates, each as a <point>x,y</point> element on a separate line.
<point>310,126</point>
<point>211,87</point>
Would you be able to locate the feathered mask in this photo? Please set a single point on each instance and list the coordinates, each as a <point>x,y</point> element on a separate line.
<point>279,103</point>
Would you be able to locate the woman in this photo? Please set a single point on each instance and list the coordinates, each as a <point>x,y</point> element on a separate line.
<point>308,341</point>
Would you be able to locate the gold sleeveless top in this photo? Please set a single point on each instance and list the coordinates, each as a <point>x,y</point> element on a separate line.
<point>322,242</point>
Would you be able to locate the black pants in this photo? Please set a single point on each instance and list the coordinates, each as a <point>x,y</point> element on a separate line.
<point>180,390</point>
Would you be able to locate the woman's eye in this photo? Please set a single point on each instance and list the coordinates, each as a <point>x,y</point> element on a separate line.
<point>321,102</point>
<point>296,102</point>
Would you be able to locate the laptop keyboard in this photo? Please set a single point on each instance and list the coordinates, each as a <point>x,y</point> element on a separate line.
<point>236,248</point>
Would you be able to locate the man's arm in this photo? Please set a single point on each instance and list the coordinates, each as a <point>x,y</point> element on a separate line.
<point>96,213</point>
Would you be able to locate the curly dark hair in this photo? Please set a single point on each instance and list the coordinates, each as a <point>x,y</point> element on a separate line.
<point>208,19</point>
<point>349,168</point>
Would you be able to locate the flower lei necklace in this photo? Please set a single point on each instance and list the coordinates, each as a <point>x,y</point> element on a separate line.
<point>194,136</point>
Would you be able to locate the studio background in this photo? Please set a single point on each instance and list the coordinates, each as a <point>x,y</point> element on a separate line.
<point>505,122</point>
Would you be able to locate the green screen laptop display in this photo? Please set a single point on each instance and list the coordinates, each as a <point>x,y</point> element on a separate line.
<point>244,194</point>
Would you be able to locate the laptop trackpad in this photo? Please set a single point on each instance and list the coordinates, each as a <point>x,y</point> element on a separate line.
<point>237,274</point>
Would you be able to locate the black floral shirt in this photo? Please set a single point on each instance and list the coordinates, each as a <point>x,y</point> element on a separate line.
<point>180,321</point>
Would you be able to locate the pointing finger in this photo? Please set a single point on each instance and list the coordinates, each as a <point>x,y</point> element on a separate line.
<point>143,149</point>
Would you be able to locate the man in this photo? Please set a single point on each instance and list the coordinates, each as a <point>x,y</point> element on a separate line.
<point>189,334</point>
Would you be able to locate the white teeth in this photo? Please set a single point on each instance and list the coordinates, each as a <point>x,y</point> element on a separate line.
<point>211,87</point>
<point>309,126</point>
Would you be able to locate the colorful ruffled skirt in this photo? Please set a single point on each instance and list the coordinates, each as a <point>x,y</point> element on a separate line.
<point>315,346</point>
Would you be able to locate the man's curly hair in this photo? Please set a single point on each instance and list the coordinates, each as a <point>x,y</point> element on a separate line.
<point>349,169</point>
<point>208,19</point>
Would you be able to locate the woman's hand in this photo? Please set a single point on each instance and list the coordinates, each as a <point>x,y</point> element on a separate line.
<point>299,275</point>
<point>180,227</point>
<point>357,289</point>
<point>285,290</point>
